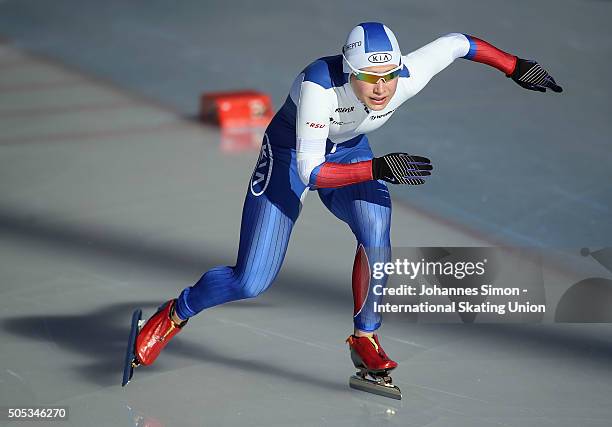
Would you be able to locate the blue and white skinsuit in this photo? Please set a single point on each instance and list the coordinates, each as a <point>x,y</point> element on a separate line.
<point>321,122</point>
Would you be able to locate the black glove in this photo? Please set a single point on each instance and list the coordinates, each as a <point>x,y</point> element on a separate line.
<point>530,75</point>
<point>401,168</point>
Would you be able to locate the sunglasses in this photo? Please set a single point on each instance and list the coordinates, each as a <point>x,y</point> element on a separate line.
<point>371,77</point>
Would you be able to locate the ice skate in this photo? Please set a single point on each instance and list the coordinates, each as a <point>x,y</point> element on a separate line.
<point>374,366</point>
<point>148,339</point>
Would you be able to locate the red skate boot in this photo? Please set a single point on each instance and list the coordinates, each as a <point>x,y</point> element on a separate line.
<point>371,360</point>
<point>147,342</point>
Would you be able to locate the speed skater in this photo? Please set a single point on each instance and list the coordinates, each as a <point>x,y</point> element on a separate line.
<point>317,142</point>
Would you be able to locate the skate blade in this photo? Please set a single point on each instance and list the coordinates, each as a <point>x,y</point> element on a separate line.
<point>130,357</point>
<point>371,386</point>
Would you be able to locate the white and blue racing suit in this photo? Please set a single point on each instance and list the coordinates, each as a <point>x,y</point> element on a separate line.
<point>322,123</point>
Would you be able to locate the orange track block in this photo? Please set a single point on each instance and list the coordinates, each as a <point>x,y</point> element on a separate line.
<point>246,108</point>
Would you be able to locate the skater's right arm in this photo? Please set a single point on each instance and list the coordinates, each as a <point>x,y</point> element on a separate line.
<point>314,107</point>
<point>316,102</point>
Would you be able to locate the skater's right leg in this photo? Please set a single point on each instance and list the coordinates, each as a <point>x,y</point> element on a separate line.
<point>156,333</point>
<point>264,236</point>
<point>271,207</point>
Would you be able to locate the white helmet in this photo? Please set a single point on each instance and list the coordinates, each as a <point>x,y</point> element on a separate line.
<point>370,44</point>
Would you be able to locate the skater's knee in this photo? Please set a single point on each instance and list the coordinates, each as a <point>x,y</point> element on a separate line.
<point>373,230</point>
<point>375,235</point>
<point>252,286</point>
<point>246,293</point>
<point>380,228</point>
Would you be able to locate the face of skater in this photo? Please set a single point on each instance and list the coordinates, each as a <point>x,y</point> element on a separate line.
<point>375,96</point>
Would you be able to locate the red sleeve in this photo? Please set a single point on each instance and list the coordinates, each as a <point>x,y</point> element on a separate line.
<point>481,51</point>
<point>334,175</point>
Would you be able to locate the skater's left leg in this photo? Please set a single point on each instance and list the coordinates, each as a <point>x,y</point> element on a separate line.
<point>366,209</point>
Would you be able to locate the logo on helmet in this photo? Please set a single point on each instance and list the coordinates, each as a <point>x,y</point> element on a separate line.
<point>379,58</point>
<point>350,46</point>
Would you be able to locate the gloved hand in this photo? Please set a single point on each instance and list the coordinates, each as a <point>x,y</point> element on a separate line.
<point>401,168</point>
<point>530,75</point>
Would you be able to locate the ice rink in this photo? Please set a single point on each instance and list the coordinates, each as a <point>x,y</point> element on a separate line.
<point>113,197</point>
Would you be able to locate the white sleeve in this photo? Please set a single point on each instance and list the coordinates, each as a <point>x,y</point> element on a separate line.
<point>312,128</point>
<point>429,60</point>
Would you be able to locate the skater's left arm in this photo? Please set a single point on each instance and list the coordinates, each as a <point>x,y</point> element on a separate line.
<point>432,58</point>
<point>526,73</point>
